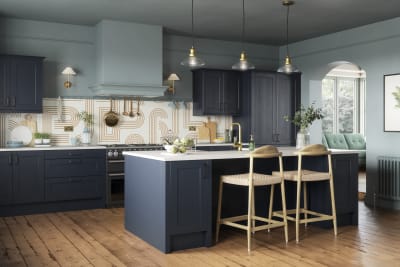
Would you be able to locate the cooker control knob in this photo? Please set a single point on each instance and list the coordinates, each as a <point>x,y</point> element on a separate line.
<point>110,154</point>
<point>115,153</point>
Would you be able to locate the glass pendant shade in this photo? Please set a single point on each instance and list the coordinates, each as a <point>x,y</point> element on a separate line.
<point>288,67</point>
<point>192,61</point>
<point>243,64</point>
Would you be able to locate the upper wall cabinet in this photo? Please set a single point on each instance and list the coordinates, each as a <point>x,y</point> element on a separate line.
<point>216,92</point>
<point>21,83</point>
<point>267,97</point>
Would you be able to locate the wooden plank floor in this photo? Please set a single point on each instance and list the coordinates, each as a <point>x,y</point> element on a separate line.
<point>98,238</point>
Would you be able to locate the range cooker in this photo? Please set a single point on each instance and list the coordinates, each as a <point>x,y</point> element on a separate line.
<point>115,170</point>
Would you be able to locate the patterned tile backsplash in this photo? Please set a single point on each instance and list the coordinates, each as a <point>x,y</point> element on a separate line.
<point>155,119</point>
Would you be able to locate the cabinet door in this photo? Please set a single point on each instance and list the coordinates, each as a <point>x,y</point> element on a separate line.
<point>26,84</point>
<point>28,177</point>
<point>287,102</point>
<point>189,198</point>
<point>231,93</point>
<point>262,107</point>
<point>4,84</point>
<point>6,167</point>
<point>284,131</point>
<point>212,92</point>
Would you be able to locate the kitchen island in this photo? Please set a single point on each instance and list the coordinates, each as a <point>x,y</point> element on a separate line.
<point>171,199</point>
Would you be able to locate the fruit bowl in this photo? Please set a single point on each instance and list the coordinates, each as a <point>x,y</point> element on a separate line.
<point>175,148</point>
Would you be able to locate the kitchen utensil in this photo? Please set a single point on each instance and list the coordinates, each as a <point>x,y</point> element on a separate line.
<point>21,133</point>
<point>138,104</point>
<point>131,114</point>
<point>111,118</point>
<point>125,113</point>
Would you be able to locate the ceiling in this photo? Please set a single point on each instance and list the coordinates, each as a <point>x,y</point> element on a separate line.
<point>215,19</point>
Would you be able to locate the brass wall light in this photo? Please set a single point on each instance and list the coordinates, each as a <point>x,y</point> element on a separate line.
<point>172,77</point>
<point>192,61</point>
<point>68,71</point>
<point>287,66</point>
<point>243,64</point>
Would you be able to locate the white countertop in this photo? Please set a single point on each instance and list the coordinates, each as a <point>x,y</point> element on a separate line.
<point>29,148</point>
<point>210,155</point>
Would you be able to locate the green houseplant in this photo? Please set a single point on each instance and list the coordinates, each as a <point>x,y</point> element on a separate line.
<point>38,138</point>
<point>88,120</point>
<point>303,118</point>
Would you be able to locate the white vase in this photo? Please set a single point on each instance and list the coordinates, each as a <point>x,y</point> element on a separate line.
<point>86,136</point>
<point>303,138</point>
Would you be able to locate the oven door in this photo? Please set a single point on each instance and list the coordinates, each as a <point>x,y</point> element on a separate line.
<point>115,183</point>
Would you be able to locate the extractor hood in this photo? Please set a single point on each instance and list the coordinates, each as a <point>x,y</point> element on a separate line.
<point>129,59</point>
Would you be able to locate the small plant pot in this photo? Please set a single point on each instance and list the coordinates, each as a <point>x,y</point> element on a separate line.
<point>46,141</point>
<point>38,141</point>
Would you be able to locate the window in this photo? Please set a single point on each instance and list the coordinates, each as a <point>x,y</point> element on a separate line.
<point>343,104</point>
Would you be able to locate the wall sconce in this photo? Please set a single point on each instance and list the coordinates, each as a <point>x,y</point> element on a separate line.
<point>172,77</point>
<point>68,71</point>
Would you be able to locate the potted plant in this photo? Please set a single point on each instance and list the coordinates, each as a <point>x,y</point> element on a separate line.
<point>303,118</point>
<point>38,138</point>
<point>46,138</point>
<point>88,120</point>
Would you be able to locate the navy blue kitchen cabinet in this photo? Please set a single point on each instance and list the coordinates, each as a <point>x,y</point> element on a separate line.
<point>168,204</point>
<point>74,175</point>
<point>216,92</point>
<point>22,177</point>
<point>52,180</point>
<point>266,98</point>
<point>6,178</point>
<point>21,83</point>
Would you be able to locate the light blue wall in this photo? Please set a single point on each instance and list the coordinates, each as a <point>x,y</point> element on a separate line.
<point>72,45</point>
<point>61,44</point>
<point>216,54</point>
<point>376,49</point>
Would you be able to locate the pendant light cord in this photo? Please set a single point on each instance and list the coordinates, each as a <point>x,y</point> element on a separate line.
<point>287,30</point>
<point>243,24</point>
<point>192,26</point>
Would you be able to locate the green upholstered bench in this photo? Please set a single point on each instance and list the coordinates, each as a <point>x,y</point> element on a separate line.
<point>347,141</point>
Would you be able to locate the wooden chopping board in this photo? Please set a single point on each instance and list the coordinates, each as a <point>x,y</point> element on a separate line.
<point>203,133</point>
<point>212,126</point>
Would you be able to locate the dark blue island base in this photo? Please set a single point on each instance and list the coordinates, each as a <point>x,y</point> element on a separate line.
<point>172,204</point>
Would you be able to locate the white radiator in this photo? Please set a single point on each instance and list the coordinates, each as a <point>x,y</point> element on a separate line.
<point>389,177</point>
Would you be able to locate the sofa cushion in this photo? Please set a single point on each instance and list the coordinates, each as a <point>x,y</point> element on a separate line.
<point>355,141</point>
<point>336,141</point>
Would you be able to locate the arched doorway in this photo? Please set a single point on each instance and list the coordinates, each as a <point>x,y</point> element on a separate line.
<point>343,92</point>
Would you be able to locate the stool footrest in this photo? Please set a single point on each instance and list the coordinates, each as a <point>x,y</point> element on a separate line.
<point>319,216</point>
<point>231,221</point>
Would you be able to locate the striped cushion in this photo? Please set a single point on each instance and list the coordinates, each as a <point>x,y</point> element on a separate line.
<point>307,175</point>
<point>258,179</point>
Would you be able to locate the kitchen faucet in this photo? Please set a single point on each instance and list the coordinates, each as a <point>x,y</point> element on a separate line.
<point>237,144</point>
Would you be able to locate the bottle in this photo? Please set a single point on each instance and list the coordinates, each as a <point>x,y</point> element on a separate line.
<point>252,145</point>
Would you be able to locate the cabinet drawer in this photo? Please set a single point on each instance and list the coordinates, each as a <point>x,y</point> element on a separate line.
<point>71,167</point>
<point>78,153</point>
<point>73,188</point>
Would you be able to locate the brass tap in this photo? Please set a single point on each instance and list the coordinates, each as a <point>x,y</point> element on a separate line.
<point>238,144</point>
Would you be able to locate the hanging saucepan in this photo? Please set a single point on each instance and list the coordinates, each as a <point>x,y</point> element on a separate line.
<point>111,118</point>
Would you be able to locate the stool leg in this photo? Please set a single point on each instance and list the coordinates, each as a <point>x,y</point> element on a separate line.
<point>271,201</point>
<point>283,194</point>
<point>219,210</point>
<point>253,212</point>
<point>305,202</point>
<point>298,209</point>
<point>333,206</point>
<point>249,218</point>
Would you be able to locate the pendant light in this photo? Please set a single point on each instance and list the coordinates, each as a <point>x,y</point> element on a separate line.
<point>243,64</point>
<point>287,67</point>
<point>192,61</point>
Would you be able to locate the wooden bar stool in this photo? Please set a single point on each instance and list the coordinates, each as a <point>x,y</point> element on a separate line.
<point>252,179</point>
<point>304,176</point>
